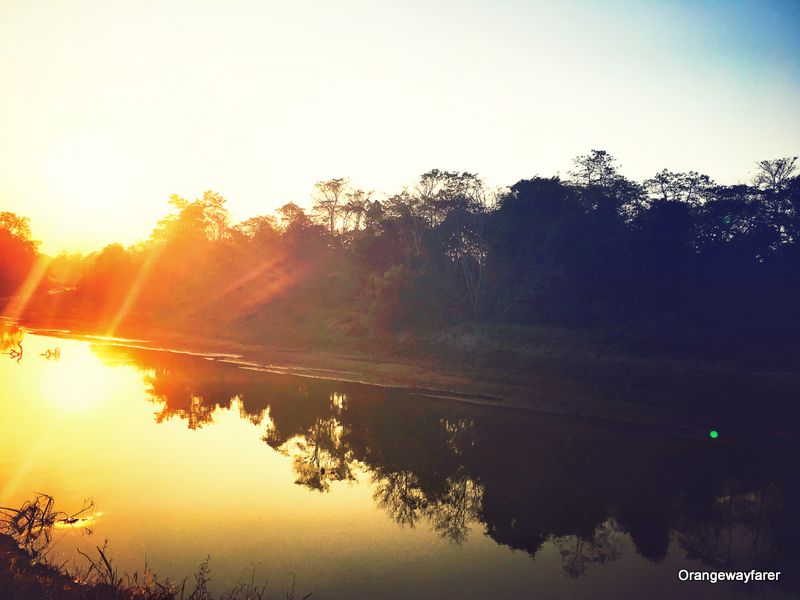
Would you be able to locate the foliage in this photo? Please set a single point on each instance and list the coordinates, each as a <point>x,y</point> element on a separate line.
<point>17,251</point>
<point>666,263</point>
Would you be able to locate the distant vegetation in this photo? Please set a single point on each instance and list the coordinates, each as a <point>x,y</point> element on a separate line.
<point>674,264</point>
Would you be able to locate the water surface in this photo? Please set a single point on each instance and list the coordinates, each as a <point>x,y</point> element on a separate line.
<point>370,492</point>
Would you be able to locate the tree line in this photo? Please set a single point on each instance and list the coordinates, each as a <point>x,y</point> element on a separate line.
<point>675,261</point>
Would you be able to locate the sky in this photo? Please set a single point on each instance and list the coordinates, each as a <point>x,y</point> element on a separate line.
<point>108,107</point>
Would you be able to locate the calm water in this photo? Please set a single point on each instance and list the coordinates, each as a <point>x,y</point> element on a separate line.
<point>366,492</point>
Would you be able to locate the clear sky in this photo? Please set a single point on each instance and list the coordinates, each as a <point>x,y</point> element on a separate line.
<point>108,107</point>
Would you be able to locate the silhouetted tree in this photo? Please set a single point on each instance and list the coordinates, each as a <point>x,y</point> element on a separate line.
<point>775,174</point>
<point>328,200</point>
<point>18,252</point>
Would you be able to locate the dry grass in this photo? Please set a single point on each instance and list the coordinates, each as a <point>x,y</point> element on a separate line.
<point>27,574</point>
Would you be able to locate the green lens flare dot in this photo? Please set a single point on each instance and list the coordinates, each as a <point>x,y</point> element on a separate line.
<point>713,434</point>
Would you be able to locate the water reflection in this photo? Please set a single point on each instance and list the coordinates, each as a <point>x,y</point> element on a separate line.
<point>522,479</point>
<point>11,336</point>
<point>11,341</point>
<point>453,484</point>
<point>578,553</point>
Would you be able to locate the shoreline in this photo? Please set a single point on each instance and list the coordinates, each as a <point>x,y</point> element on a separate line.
<point>547,395</point>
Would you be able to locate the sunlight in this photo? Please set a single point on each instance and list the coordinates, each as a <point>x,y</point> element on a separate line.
<point>398,300</point>
<point>66,386</point>
<point>85,168</point>
<point>133,292</point>
<point>253,288</point>
<point>78,522</point>
<point>24,293</point>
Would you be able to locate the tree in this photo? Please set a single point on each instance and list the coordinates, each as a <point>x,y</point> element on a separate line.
<point>18,251</point>
<point>253,226</point>
<point>404,208</point>
<point>292,216</point>
<point>466,237</point>
<point>439,192</point>
<point>596,168</point>
<point>355,209</point>
<point>775,174</point>
<point>262,229</point>
<point>215,215</point>
<point>535,240</point>
<point>16,225</point>
<point>205,218</point>
<point>328,199</point>
<point>691,187</point>
<point>374,215</point>
<point>109,277</point>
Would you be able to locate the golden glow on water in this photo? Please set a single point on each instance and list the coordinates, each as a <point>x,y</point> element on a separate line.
<point>64,383</point>
<point>81,522</point>
<point>80,427</point>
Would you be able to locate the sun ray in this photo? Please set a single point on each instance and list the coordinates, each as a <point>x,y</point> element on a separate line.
<point>22,297</point>
<point>133,292</point>
<point>240,281</point>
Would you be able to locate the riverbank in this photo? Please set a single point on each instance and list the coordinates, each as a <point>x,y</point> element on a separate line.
<point>21,578</point>
<point>542,369</point>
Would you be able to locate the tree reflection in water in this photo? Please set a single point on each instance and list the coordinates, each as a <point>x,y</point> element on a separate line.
<point>400,495</point>
<point>523,479</point>
<point>319,455</point>
<point>11,336</point>
<point>741,531</point>
<point>449,512</point>
<point>579,553</point>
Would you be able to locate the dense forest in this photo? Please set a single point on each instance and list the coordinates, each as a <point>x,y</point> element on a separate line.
<point>673,264</point>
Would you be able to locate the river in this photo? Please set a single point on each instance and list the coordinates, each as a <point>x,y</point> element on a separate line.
<point>358,491</point>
